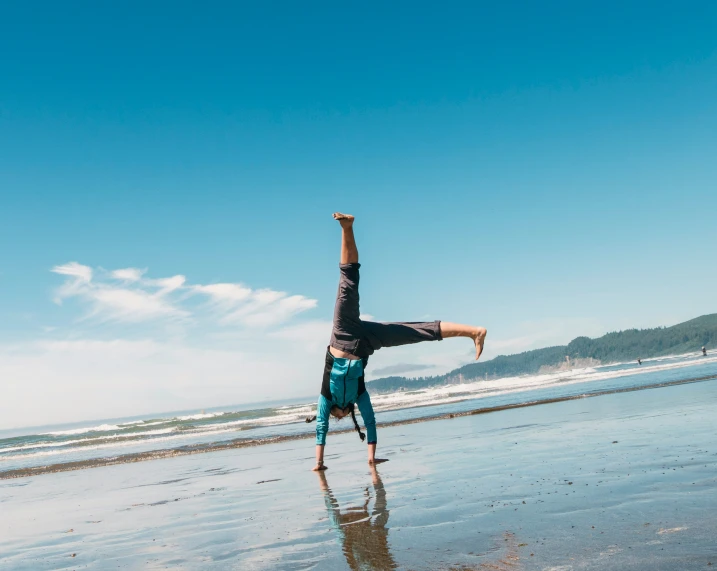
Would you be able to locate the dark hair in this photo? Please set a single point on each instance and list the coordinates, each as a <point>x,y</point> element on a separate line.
<point>362,436</point>
<point>351,407</point>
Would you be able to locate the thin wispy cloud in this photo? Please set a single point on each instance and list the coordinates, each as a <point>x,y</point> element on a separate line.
<point>237,303</point>
<point>129,295</point>
<point>120,295</point>
<point>75,270</point>
<point>128,274</point>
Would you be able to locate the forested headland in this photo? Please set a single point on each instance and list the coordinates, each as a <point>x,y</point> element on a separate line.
<point>619,346</point>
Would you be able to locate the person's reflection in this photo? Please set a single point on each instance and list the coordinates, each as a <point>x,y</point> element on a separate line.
<point>364,535</point>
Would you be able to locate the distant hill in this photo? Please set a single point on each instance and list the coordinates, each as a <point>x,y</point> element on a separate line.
<point>615,347</point>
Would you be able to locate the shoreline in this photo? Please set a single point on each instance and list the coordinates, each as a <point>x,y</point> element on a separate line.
<point>620,483</point>
<point>247,443</point>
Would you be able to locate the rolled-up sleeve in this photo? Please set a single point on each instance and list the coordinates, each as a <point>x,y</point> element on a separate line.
<point>323,409</point>
<point>369,420</point>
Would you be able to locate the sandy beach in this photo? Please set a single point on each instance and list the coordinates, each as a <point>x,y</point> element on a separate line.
<point>621,481</point>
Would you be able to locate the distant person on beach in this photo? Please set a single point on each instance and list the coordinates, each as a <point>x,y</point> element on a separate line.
<point>704,352</point>
<point>353,340</point>
<point>639,361</point>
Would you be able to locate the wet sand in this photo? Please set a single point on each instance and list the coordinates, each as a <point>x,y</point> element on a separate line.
<point>619,481</point>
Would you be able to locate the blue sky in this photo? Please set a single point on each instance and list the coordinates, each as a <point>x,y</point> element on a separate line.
<point>544,169</point>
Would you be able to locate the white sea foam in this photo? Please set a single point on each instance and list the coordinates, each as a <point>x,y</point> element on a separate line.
<point>122,426</point>
<point>200,416</point>
<point>104,445</point>
<point>261,421</point>
<point>125,440</point>
<point>100,428</point>
<point>285,415</point>
<point>81,440</point>
<point>41,445</point>
<point>446,394</point>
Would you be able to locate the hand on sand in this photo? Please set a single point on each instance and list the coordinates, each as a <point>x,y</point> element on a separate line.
<point>320,467</point>
<point>377,461</point>
<point>480,340</point>
<point>346,220</point>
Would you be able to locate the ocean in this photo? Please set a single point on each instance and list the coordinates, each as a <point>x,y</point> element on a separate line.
<point>114,441</point>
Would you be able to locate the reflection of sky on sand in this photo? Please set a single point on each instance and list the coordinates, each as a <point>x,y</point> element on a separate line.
<point>621,482</point>
<point>362,531</point>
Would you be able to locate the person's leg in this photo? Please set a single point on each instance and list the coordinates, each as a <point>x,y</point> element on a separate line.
<point>347,328</point>
<point>349,252</point>
<point>478,334</point>
<point>396,334</point>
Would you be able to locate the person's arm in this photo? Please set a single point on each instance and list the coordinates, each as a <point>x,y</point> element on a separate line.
<point>369,421</point>
<point>319,458</point>
<point>323,410</point>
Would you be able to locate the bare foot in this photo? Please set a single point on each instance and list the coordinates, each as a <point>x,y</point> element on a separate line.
<point>346,220</point>
<point>377,461</point>
<point>479,339</point>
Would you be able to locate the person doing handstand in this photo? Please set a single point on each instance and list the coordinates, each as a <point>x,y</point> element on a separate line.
<point>353,340</point>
